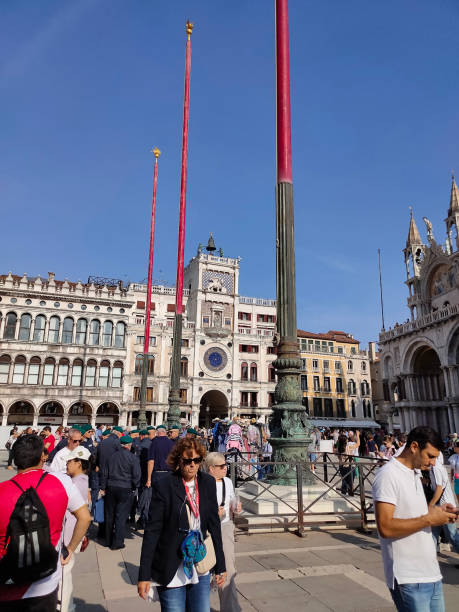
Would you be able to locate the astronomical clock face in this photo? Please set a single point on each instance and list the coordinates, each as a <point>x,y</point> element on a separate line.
<point>215,359</point>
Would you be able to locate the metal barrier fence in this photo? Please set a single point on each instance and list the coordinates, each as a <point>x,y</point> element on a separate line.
<point>356,473</point>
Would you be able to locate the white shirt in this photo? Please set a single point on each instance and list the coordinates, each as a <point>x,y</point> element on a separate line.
<point>229,496</point>
<point>412,559</point>
<point>59,463</point>
<point>47,585</point>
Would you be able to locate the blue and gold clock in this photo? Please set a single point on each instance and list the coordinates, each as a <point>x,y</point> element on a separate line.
<point>215,359</point>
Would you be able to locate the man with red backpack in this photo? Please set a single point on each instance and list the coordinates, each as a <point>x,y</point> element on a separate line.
<point>32,510</point>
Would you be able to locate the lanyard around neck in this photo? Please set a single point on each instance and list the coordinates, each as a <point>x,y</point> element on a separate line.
<point>194,506</point>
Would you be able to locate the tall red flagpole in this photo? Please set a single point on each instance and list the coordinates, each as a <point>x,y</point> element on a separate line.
<point>290,427</point>
<point>142,421</point>
<point>173,415</point>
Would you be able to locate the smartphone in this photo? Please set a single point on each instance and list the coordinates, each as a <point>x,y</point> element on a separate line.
<point>64,551</point>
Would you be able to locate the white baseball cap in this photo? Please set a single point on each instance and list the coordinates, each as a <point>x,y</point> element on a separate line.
<point>79,453</point>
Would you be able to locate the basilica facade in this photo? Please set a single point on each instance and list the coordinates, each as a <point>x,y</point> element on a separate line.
<point>420,357</point>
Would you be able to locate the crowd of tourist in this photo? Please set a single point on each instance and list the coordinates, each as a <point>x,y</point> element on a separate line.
<point>172,485</point>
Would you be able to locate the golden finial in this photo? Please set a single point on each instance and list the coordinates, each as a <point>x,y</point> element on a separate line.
<point>411,211</point>
<point>156,152</point>
<point>189,28</point>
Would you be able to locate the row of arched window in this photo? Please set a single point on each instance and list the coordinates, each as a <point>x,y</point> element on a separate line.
<point>151,365</point>
<point>352,387</point>
<point>61,373</point>
<point>366,405</point>
<point>250,372</point>
<point>68,331</point>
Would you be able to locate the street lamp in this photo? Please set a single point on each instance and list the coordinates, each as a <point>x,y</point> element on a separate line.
<point>290,426</point>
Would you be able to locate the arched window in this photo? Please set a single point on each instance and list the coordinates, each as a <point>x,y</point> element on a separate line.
<point>63,369</point>
<point>353,409</point>
<point>81,329</point>
<point>350,366</point>
<point>364,366</point>
<point>5,361</point>
<point>34,371</point>
<point>77,372</point>
<point>104,373</point>
<point>39,328</point>
<point>90,379</point>
<point>244,371</point>
<point>351,387</point>
<point>272,373</point>
<point>184,367</point>
<point>117,374</point>
<point>107,335</point>
<point>24,327</point>
<point>365,387</point>
<point>120,332</point>
<point>10,326</point>
<point>18,370</point>
<point>48,371</point>
<point>67,331</point>
<point>138,364</point>
<point>94,332</point>
<point>253,372</point>
<point>53,331</point>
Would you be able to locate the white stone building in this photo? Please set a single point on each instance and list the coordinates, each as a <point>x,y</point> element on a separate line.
<point>62,351</point>
<point>419,357</point>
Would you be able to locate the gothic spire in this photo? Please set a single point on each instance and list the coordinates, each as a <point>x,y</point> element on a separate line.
<point>413,233</point>
<point>454,198</point>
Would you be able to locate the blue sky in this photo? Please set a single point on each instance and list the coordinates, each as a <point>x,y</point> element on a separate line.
<point>88,87</point>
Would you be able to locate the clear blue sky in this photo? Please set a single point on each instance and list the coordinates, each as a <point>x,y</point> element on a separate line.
<point>88,87</point>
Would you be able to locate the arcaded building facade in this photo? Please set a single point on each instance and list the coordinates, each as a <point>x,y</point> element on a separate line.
<point>419,358</point>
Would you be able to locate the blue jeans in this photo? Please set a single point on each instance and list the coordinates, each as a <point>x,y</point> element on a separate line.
<point>189,598</point>
<point>419,597</point>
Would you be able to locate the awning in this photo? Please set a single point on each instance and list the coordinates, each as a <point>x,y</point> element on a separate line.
<point>352,423</point>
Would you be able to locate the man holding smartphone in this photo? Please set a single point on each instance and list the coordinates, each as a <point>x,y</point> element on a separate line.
<point>404,525</point>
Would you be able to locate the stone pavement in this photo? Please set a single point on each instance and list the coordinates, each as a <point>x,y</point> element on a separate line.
<point>325,571</point>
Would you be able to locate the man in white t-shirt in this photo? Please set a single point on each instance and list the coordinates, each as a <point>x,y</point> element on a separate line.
<point>59,463</point>
<point>404,525</point>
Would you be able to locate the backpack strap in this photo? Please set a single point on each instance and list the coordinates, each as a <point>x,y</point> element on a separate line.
<point>41,479</point>
<point>17,484</point>
<point>38,483</point>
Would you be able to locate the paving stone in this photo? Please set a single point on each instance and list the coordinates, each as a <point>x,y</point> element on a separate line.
<point>289,602</point>
<point>247,565</point>
<point>82,605</point>
<point>268,589</point>
<point>340,593</point>
<point>301,557</point>
<point>287,574</point>
<point>132,605</point>
<point>275,561</point>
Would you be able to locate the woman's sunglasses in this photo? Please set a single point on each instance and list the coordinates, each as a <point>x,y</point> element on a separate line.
<point>187,461</point>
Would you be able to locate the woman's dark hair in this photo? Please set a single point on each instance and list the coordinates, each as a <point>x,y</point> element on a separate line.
<point>27,451</point>
<point>341,444</point>
<point>184,446</point>
<point>423,435</point>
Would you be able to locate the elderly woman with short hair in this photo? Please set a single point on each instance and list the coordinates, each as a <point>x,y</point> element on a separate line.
<point>227,504</point>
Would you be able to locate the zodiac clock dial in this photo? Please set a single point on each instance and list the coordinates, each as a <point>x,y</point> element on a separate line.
<point>215,359</point>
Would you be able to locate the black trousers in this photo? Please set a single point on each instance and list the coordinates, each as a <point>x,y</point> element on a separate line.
<point>118,502</point>
<point>45,603</point>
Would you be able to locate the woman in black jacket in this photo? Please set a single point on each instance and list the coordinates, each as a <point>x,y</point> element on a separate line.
<point>183,500</point>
